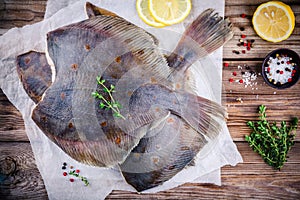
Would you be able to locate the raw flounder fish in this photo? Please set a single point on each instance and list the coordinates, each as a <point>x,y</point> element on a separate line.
<point>164,127</point>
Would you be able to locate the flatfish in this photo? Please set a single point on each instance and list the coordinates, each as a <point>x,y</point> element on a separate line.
<point>164,125</point>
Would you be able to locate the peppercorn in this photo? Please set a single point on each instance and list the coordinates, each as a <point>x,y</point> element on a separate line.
<point>236,52</point>
<point>77,171</point>
<point>226,64</point>
<point>243,15</point>
<point>243,36</point>
<point>242,28</point>
<point>72,180</point>
<point>65,173</point>
<point>241,81</point>
<point>63,167</point>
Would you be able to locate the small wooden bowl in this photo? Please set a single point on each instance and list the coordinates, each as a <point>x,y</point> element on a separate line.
<point>268,68</point>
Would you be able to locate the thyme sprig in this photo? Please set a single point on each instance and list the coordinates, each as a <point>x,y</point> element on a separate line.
<point>272,143</point>
<point>106,103</point>
<point>83,179</point>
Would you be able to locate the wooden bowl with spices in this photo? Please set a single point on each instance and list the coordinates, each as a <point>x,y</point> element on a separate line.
<point>281,68</point>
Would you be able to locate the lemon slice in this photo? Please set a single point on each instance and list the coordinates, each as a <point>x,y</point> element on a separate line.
<point>170,11</point>
<point>273,21</point>
<point>142,7</point>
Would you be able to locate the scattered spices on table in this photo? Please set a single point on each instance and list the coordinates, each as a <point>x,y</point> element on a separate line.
<point>248,44</point>
<point>75,173</point>
<point>243,15</point>
<point>239,99</point>
<point>247,76</point>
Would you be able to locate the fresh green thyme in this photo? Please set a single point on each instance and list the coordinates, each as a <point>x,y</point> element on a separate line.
<point>106,103</point>
<point>83,179</point>
<point>272,143</point>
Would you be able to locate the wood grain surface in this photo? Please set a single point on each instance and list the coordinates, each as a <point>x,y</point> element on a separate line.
<point>253,179</point>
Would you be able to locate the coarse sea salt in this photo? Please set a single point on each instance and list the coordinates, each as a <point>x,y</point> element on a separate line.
<point>279,70</point>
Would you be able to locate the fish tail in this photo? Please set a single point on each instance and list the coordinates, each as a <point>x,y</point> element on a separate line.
<point>204,35</point>
<point>205,116</point>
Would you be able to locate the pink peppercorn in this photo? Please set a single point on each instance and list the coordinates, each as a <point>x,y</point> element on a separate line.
<point>65,173</point>
<point>243,15</point>
<point>226,64</point>
<point>288,62</point>
<point>231,80</point>
<point>72,180</point>
<point>77,170</point>
<point>281,72</point>
<point>290,80</point>
<point>234,73</point>
<point>248,48</point>
<point>243,36</point>
<point>268,69</point>
<point>243,51</point>
<point>241,81</point>
<point>294,71</point>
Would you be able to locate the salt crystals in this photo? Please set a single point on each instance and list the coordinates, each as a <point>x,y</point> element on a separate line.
<point>248,77</point>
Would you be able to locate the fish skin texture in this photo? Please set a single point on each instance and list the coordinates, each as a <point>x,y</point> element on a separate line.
<point>165,126</point>
<point>70,116</point>
<point>35,74</point>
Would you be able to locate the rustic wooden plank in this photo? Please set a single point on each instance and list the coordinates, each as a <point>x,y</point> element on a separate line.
<point>281,104</point>
<point>19,176</point>
<point>11,122</point>
<point>234,9</point>
<point>17,13</point>
<point>252,179</point>
<point>24,176</point>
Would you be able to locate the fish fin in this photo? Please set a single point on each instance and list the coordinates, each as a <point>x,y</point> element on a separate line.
<point>203,36</point>
<point>144,120</point>
<point>204,115</point>
<point>131,38</point>
<point>35,74</point>
<point>92,11</point>
<point>159,156</point>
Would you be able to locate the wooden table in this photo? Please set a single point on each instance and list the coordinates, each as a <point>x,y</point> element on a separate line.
<point>20,178</point>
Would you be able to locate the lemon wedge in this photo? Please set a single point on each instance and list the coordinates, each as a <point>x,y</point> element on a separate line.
<point>142,7</point>
<point>273,21</point>
<point>169,11</point>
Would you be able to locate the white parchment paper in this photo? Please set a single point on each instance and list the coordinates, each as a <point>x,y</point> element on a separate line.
<point>49,158</point>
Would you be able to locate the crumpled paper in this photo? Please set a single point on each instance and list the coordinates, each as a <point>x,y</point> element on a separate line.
<point>49,157</point>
